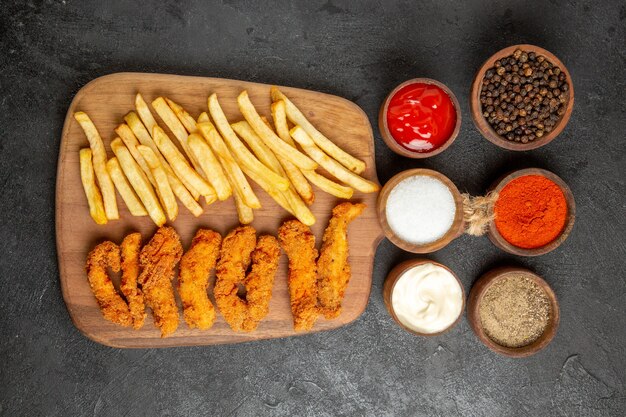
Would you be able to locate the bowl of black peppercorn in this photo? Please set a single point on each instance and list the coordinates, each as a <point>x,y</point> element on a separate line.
<point>522,97</point>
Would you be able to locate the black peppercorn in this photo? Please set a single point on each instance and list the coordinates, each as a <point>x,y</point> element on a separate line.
<point>523,96</point>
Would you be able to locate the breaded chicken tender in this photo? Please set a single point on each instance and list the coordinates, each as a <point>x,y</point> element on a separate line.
<point>230,272</point>
<point>130,247</point>
<point>113,307</point>
<point>239,250</point>
<point>260,280</point>
<point>333,269</point>
<point>193,279</point>
<point>158,260</point>
<point>298,243</point>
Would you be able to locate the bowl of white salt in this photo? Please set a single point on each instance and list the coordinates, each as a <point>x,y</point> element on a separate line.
<point>420,210</point>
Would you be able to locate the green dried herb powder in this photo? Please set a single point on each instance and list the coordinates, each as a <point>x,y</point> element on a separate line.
<point>515,311</point>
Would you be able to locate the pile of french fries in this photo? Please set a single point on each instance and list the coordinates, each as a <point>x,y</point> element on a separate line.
<point>214,160</point>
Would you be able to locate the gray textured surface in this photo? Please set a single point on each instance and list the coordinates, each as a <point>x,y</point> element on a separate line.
<point>48,50</point>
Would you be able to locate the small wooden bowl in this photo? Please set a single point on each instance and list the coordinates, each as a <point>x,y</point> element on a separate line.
<point>455,230</point>
<point>392,279</point>
<point>473,316</point>
<point>388,137</point>
<point>503,244</point>
<point>481,123</point>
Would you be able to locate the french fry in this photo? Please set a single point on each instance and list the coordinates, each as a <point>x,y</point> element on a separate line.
<point>185,118</point>
<point>277,195</point>
<point>94,198</point>
<point>265,155</point>
<point>298,181</point>
<point>328,186</point>
<point>144,113</point>
<point>233,172</point>
<point>333,167</point>
<point>210,165</point>
<point>203,118</point>
<point>131,142</point>
<point>232,169</point>
<point>260,149</point>
<point>183,195</point>
<point>123,187</point>
<point>183,192</point>
<point>171,121</point>
<point>179,164</point>
<point>294,173</point>
<point>328,146</point>
<point>269,137</point>
<point>323,183</point>
<point>279,115</point>
<point>163,189</point>
<point>239,150</point>
<point>211,175</point>
<point>99,159</point>
<point>139,181</point>
<point>245,213</point>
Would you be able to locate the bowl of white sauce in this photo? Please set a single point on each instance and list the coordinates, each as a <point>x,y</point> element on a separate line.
<point>424,297</point>
<point>420,210</point>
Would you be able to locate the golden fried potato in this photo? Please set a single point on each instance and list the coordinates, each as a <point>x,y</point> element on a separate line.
<point>94,198</point>
<point>269,137</point>
<point>99,160</point>
<point>297,118</point>
<point>139,181</point>
<point>123,187</point>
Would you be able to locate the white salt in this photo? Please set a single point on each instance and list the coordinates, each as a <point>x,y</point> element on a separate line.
<point>420,209</point>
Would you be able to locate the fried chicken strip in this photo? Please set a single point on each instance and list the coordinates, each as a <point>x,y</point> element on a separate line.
<point>237,247</point>
<point>260,280</point>
<point>239,250</point>
<point>193,279</point>
<point>298,243</point>
<point>113,307</point>
<point>130,247</point>
<point>158,260</point>
<point>333,269</point>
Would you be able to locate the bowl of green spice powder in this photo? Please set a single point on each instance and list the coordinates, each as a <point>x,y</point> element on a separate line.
<point>513,311</point>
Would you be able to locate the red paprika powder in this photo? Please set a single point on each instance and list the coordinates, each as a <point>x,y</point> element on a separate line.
<point>530,212</point>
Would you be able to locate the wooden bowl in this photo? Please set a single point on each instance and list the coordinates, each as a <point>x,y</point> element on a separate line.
<point>503,244</point>
<point>401,150</point>
<point>455,230</point>
<point>481,123</point>
<point>390,283</point>
<point>473,307</point>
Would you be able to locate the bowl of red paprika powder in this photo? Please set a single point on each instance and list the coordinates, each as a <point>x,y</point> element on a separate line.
<point>420,118</point>
<point>534,212</point>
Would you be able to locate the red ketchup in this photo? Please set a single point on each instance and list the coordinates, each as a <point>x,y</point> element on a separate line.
<point>421,117</point>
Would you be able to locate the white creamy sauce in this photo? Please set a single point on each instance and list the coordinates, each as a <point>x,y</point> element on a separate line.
<point>427,298</point>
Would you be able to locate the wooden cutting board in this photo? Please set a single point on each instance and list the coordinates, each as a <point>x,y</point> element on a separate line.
<point>106,100</point>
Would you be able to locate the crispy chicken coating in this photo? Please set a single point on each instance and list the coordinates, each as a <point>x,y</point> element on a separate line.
<point>130,247</point>
<point>333,269</point>
<point>113,307</point>
<point>193,279</point>
<point>158,260</point>
<point>239,250</point>
<point>260,280</point>
<point>298,243</point>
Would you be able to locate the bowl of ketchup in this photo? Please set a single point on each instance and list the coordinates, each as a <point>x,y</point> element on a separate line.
<point>420,118</point>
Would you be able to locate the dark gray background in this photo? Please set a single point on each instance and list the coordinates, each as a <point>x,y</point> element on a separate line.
<point>48,50</point>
